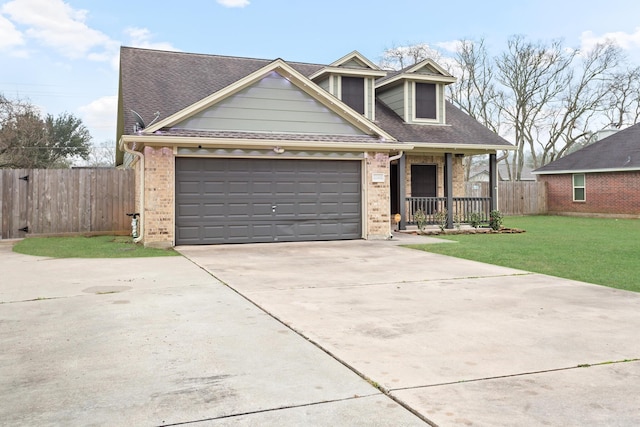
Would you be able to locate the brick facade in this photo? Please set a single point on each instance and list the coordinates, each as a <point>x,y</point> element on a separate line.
<point>377,203</point>
<point>159,210</point>
<point>159,192</point>
<point>606,193</point>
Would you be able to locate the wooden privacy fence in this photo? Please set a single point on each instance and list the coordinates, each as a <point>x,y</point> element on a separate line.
<point>59,201</point>
<point>514,197</point>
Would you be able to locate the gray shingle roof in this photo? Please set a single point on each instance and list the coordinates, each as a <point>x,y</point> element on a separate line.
<point>461,129</point>
<point>619,151</point>
<point>167,82</point>
<point>153,80</point>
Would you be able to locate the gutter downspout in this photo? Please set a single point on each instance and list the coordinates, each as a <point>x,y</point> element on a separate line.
<point>401,225</point>
<point>140,156</point>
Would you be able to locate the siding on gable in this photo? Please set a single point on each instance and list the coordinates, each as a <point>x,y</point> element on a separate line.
<point>354,63</point>
<point>273,104</point>
<point>324,84</point>
<point>394,99</point>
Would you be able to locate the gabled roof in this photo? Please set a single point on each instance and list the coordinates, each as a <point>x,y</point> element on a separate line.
<point>615,153</point>
<point>166,82</point>
<point>281,67</point>
<point>461,130</point>
<point>342,66</point>
<point>426,70</point>
<point>175,84</point>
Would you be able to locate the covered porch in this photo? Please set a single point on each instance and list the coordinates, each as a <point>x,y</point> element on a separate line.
<point>432,184</point>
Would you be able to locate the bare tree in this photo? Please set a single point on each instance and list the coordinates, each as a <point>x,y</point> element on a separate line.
<point>623,98</point>
<point>102,155</point>
<point>400,57</point>
<point>475,91</point>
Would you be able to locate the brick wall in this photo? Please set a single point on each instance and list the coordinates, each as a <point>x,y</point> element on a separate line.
<point>377,203</point>
<point>159,181</point>
<point>611,193</point>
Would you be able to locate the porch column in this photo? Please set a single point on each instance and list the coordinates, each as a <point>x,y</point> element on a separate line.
<point>493,182</point>
<point>448,187</point>
<point>402,191</point>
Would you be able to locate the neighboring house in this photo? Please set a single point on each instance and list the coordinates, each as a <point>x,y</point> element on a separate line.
<point>480,173</point>
<point>249,150</point>
<point>601,179</point>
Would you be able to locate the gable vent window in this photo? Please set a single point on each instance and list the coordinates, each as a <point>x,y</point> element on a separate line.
<point>426,101</point>
<point>353,93</point>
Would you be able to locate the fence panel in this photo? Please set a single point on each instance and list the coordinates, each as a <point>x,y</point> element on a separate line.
<point>514,197</point>
<point>64,201</point>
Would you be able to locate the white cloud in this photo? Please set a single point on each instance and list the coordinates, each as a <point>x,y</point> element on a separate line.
<point>100,117</point>
<point>234,3</point>
<point>450,46</point>
<point>56,24</point>
<point>9,35</point>
<point>626,41</point>
<point>141,37</point>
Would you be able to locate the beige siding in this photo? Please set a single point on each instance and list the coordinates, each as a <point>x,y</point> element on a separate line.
<point>273,104</point>
<point>354,63</point>
<point>324,84</point>
<point>394,98</point>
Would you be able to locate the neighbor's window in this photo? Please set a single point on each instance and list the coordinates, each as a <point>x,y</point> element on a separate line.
<point>353,93</point>
<point>578,187</point>
<point>426,101</point>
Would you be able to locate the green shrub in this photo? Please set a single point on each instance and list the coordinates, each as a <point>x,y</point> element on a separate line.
<point>441,219</point>
<point>420,218</point>
<point>475,219</point>
<point>495,220</point>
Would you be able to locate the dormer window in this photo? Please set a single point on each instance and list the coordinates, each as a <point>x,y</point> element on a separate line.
<point>416,93</point>
<point>353,93</point>
<point>426,101</point>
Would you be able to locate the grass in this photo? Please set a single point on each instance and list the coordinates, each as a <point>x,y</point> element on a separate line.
<point>594,250</point>
<point>87,247</point>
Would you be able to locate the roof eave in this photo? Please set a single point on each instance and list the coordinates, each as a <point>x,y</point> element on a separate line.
<point>416,77</point>
<point>462,147</point>
<point>572,171</point>
<point>188,141</point>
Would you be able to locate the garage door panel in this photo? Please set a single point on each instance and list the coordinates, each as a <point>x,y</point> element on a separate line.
<point>232,200</point>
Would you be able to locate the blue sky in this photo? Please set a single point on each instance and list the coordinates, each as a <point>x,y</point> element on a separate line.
<point>63,54</point>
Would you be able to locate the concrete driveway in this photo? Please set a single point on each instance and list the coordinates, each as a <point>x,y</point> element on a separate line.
<point>159,341</point>
<point>461,343</point>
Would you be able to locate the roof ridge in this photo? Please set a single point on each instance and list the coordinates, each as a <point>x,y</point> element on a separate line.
<point>214,55</point>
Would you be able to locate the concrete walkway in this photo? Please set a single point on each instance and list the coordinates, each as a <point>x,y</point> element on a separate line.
<point>159,341</point>
<point>461,343</point>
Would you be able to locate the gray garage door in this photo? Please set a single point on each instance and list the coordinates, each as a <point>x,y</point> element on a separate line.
<point>251,200</point>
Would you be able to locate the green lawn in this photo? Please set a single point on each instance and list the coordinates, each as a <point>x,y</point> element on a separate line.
<point>594,250</point>
<point>87,247</point>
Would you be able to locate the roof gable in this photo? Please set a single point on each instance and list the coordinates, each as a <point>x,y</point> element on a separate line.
<point>272,104</point>
<point>618,152</point>
<point>351,119</point>
<point>353,63</point>
<point>426,71</point>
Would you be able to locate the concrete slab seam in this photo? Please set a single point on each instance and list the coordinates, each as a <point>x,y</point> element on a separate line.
<point>318,346</point>
<point>523,374</point>
<point>262,411</point>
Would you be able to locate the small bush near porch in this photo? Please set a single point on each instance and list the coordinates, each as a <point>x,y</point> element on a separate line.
<point>594,250</point>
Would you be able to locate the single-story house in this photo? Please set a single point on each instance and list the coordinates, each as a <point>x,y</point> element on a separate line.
<point>239,150</point>
<point>602,179</point>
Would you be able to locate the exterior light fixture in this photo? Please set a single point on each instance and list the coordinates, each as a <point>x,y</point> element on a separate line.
<point>278,150</point>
